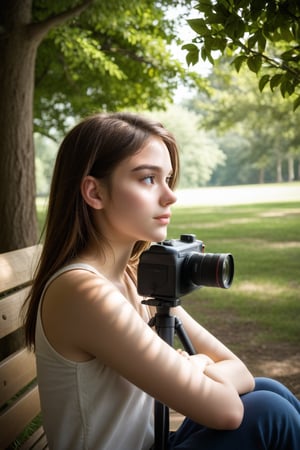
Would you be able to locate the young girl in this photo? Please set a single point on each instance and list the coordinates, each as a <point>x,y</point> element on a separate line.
<point>99,363</point>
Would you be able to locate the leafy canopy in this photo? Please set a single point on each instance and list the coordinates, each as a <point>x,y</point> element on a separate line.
<point>257,131</point>
<point>263,34</point>
<point>114,56</point>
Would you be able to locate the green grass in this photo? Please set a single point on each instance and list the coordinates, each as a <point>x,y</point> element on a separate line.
<point>265,242</point>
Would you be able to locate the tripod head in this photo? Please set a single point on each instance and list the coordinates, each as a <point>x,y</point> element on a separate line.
<point>162,302</point>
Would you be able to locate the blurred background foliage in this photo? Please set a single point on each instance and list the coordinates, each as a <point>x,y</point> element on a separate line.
<point>230,128</point>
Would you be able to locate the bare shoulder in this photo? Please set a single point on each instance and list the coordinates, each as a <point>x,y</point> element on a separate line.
<point>76,301</point>
<point>78,286</point>
<point>80,295</point>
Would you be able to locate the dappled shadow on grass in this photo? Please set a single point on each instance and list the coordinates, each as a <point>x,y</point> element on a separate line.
<point>264,358</point>
<point>260,289</point>
<point>279,359</point>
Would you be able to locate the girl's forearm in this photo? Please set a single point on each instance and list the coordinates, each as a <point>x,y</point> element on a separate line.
<point>234,372</point>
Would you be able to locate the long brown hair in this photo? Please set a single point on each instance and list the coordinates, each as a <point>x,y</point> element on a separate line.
<point>93,147</point>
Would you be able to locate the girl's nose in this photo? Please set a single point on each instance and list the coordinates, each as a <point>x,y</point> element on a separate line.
<point>168,197</point>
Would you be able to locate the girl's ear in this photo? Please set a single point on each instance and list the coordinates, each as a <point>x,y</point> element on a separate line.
<point>91,192</point>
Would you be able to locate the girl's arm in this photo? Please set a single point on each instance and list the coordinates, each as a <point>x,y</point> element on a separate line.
<point>226,364</point>
<point>87,316</point>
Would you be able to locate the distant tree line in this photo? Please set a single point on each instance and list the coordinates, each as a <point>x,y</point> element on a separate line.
<point>234,136</point>
<point>257,131</point>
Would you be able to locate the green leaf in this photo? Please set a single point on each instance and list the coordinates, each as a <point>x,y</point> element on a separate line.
<point>238,61</point>
<point>222,9</point>
<point>286,33</point>
<point>204,6</point>
<point>213,44</point>
<point>262,41</point>
<point>286,56</point>
<point>222,44</point>
<point>263,81</point>
<point>190,47</point>
<point>286,88</point>
<point>255,11</point>
<point>252,41</point>
<point>235,28</point>
<point>275,81</point>
<point>192,56</point>
<point>254,63</point>
<point>210,59</point>
<point>296,103</point>
<point>199,26</point>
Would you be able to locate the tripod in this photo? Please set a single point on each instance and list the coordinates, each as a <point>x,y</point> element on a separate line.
<point>166,325</point>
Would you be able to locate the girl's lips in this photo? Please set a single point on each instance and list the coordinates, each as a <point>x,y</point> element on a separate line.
<point>164,219</point>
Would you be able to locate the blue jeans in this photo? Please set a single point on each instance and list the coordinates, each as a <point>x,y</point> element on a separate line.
<point>271,421</point>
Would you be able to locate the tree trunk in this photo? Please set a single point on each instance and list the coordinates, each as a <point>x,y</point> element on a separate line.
<point>291,169</point>
<point>19,40</point>
<point>279,170</point>
<point>17,172</point>
<point>261,175</point>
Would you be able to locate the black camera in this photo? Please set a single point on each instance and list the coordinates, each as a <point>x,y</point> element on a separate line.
<point>173,268</point>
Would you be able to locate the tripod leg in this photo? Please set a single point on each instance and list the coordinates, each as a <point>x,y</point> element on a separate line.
<point>165,327</point>
<point>185,340</point>
<point>161,426</point>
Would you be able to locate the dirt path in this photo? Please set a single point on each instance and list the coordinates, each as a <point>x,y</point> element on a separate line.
<point>271,359</point>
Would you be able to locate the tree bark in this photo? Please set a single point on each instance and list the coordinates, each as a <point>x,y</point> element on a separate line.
<point>19,40</point>
<point>17,174</point>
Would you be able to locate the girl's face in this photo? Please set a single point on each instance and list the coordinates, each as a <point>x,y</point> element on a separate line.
<point>137,207</point>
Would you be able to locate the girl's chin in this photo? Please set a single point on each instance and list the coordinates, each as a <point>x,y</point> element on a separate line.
<point>160,236</point>
<point>155,235</point>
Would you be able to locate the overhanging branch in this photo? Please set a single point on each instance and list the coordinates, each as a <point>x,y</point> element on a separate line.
<point>38,30</point>
<point>276,64</point>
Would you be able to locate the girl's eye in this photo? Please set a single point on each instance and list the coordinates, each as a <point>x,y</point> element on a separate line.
<point>149,179</point>
<point>168,180</point>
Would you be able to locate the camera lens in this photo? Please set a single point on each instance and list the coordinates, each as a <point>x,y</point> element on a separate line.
<point>211,269</point>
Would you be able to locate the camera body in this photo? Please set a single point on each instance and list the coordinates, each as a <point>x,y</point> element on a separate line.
<point>160,271</point>
<point>176,267</point>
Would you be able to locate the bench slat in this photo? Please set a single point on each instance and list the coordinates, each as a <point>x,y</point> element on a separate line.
<point>14,421</point>
<point>19,396</point>
<point>38,441</point>
<point>10,307</point>
<point>16,371</point>
<point>17,267</point>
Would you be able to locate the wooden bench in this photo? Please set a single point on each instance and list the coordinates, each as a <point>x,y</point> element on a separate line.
<point>20,419</point>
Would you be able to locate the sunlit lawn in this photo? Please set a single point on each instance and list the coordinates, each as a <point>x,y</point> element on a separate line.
<point>265,242</point>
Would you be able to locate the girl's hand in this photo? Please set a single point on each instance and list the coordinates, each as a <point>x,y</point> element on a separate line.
<point>200,360</point>
<point>183,353</point>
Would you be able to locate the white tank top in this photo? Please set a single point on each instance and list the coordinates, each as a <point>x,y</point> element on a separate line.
<point>87,405</point>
